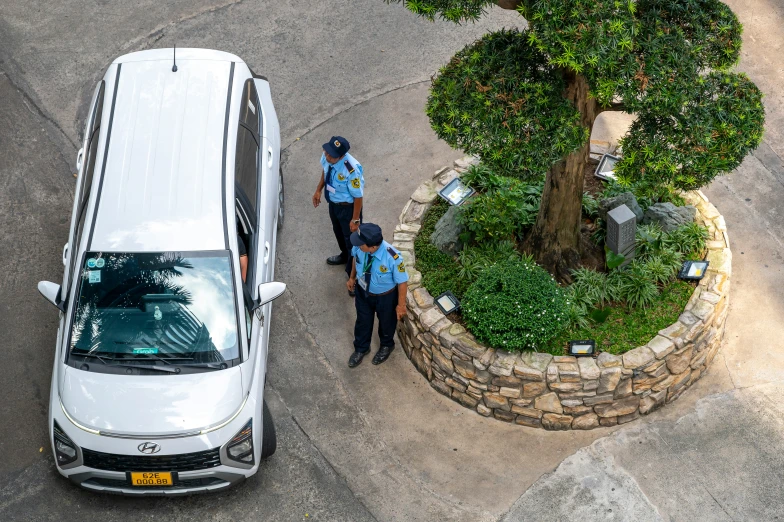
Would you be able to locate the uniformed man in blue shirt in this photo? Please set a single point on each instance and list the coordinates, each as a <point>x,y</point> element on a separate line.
<point>379,275</point>
<point>342,182</point>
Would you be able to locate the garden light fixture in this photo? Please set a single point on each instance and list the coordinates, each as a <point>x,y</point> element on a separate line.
<point>447,302</point>
<point>606,168</point>
<point>693,270</point>
<point>456,192</point>
<point>582,348</point>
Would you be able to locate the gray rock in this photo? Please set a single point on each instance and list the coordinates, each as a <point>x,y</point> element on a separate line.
<point>627,198</point>
<point>669,216</point>
<point>446,235</point>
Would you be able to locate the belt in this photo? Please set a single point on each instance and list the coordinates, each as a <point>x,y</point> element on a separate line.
<point>341,203</point>
<point>384,293</point>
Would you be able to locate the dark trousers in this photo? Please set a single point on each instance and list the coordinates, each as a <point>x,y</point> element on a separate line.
<point>369,306</point>
<point>341,215</point>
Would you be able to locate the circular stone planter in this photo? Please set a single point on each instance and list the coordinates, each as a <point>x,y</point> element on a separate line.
<point>562,392</point>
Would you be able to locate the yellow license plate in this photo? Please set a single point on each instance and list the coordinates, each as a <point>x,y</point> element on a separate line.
<point>151,478</point>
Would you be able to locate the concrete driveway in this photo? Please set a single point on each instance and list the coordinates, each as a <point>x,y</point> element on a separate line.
<point>373,443</point>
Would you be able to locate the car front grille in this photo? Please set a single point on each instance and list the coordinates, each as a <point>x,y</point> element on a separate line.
<point>182,462</point>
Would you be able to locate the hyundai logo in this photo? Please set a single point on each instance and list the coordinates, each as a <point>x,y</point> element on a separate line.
<point>149,448</point>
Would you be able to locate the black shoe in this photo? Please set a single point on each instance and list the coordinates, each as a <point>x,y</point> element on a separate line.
<point>382,354</point>
<point>336,260</point>
<point>355,359</point>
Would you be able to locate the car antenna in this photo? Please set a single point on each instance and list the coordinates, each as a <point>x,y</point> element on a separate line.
<point>174,67</point>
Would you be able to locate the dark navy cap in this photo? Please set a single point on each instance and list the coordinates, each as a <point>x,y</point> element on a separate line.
<point>368,234</point>
<point>337,146</point>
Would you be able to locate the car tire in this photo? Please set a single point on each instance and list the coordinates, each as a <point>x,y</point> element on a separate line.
<point>281,198</point>
<point>269,439</point>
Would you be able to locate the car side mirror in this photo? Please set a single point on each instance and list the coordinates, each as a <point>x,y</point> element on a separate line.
<point>51,291</point>
<point>270,291</point>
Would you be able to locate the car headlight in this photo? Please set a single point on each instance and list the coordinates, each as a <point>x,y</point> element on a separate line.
<point>64,447</point>
<point>240,448</point>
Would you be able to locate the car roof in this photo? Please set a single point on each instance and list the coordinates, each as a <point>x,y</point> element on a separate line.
<point>162,187</point>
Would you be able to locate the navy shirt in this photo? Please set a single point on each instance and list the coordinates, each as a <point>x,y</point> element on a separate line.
<point>343,186</point>
<point>385,271</point>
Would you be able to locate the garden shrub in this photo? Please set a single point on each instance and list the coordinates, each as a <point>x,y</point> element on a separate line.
<point>689,239</point>
<point>515,306</point>
<point>474,259</point>
<point>636,286</point>
<point>503,211</point>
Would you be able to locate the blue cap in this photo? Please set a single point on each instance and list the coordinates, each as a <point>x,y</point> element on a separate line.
<point>337,146</point>
<point>368,234</point>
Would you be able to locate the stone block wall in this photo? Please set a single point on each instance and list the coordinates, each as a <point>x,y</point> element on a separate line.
<point>539,390</point>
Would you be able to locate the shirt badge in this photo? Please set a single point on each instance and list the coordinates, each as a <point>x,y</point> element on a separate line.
<point>341,177</point>
<point>401,267</point>
<point>355,183</point>
<point>383,269</point>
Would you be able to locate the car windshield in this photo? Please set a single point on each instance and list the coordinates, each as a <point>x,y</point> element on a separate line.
<point>166,310</point>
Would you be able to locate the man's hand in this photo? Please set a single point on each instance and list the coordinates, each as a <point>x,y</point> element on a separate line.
<point>350,284</point>
<point>353,226</point>
<point>316,198</point>
<point>401,311</point>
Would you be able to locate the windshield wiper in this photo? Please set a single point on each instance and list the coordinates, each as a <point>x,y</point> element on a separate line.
<point>146,367</point>
<point>88,354</point>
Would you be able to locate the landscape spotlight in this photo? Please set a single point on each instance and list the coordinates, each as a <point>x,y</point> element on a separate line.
<point>582,348</point>
<point>447,302</point>
<point>606,168</point>
<point>693,270</point>
<point>456,192</point>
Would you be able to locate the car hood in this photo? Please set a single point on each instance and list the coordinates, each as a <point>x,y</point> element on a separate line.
<point>151,405</point>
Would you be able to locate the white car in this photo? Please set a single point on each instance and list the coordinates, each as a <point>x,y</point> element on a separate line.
<point>158,381</point>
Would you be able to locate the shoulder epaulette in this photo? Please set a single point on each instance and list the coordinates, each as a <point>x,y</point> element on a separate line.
<point>349,167</point>
<point>393,253</point>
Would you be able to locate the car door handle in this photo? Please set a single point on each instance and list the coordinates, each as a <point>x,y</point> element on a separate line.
<point>270,156</point>
<point>65,254</point>
<point>266,251</point>
<point>79,158</point>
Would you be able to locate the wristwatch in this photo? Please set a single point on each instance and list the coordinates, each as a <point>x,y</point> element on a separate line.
<point>355,221</point>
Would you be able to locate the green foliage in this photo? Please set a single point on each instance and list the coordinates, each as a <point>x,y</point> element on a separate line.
<point>689,239</point>
<point>648,241</point>
<point>590,206</point>
<point>716,126</point>
<point>636,286</point>
<point>612,260</point>
<point>646,193</point>
<point>501,212</point>
<point>626,329</point>
<point>658,270</point>
<point>439,271</point>
<point>475,259</point>
<point>499,99</point>
<point>456,11</point>
<point>515,306</point>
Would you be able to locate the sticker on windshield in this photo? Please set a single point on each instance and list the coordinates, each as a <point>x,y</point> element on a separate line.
<point>94,276</point>
<point>144,350</point>
<point>157,314</point>
<point>100,262</point>
<point>91,263</point>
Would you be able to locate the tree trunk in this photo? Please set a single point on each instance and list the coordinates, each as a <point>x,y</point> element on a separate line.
<point>554,240</point>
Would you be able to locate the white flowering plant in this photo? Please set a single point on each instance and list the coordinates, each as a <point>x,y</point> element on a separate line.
<point>515,305</point>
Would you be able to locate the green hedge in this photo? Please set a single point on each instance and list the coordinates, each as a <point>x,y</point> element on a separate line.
<point>515,306</point>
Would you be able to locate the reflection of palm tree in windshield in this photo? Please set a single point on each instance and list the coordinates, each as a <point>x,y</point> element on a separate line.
<point>138,303</point>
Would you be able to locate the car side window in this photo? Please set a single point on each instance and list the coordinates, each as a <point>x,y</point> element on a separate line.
<point>86,183</point>
<point>246,167</point>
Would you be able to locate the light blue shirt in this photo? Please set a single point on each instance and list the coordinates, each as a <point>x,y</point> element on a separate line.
<point>347,185</point>
<point>385,271</point>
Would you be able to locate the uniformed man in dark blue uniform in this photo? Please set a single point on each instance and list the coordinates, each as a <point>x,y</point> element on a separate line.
<point>342,182</point>
<point>379,275</point>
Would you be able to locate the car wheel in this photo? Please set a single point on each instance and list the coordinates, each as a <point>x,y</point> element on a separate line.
<point>280,198</point>
<point>269,439</point>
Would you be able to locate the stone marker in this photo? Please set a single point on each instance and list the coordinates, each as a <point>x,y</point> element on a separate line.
<point>621,230</point>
